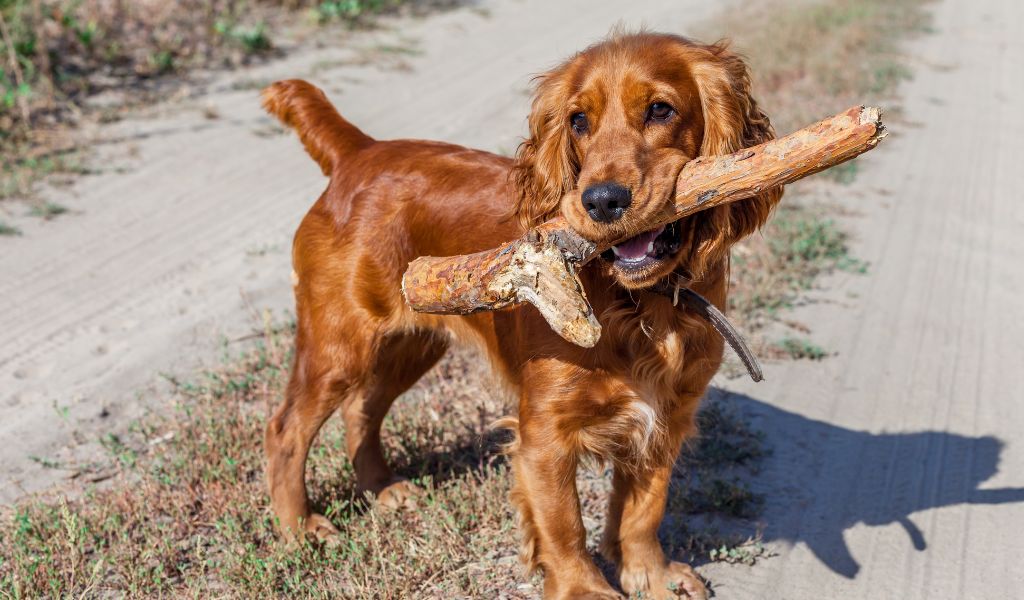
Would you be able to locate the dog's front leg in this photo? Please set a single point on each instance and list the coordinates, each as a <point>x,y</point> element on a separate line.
<point>553,535</point>
<point>635,511</point>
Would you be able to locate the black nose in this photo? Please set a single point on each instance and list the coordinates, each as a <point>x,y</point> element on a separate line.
<point>606,202</point>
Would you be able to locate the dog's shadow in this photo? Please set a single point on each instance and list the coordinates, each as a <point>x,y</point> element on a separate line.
<point>821,479</point>
<point>818,479</point>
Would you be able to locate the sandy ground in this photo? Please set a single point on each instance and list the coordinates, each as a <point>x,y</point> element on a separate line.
<point>898,466</point>
<point>896,472</point>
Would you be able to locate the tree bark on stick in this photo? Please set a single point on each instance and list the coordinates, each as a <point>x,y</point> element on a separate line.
<point>540,267</point>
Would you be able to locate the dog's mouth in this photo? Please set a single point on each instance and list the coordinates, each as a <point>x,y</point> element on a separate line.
<point>644,253</point>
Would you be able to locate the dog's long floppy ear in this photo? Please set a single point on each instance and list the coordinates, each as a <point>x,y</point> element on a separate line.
<point>546,165</point>
<point>732,121</point>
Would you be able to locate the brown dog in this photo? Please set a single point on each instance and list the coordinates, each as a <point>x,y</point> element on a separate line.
<point>616,121</point>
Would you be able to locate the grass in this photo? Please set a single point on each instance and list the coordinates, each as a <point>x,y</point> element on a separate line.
<point>25,164</point>
<point>188,514</point>
<point>821,56</point>
<point>47,210</point>
<point>800,348</point>
<point>709,481</point>
<point>818,57</point>
<point>9,230</point>
<point>348,9</point>
<point>746,552</point>
<point>771,271</point>
<point>57,54</point>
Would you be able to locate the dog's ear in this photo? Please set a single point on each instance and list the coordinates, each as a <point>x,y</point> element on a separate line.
<point>546,165</point>
<point>732,121</point>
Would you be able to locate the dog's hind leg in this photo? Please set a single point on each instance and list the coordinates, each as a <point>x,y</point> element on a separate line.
<point>312,396</point>
<point>364,388</point>
<point>322,378</point>
<point>400,361</point>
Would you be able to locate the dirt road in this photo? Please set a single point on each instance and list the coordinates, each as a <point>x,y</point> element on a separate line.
<point>898,469</point>
<point>898,466</point>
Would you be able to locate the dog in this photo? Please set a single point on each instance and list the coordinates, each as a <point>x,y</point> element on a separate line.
<point>609,131</point>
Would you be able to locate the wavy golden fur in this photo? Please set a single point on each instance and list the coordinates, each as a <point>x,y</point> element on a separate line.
<point>631,111</point>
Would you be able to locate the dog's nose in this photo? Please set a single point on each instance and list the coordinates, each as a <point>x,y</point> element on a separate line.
<point>606,202</point>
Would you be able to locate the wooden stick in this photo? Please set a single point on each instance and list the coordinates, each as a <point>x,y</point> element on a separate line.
<point>540,267</point>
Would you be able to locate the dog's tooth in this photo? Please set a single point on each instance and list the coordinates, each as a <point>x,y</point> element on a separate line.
<point>650,247</point>
<point>615,249</point>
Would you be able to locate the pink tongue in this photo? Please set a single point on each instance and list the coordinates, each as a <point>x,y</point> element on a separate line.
<point>636,247</point>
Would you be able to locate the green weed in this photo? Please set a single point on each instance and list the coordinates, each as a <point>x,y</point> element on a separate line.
<point>350,9</point>
<point>47,210</point>
<point>800,348</point>
<point>769,272</point>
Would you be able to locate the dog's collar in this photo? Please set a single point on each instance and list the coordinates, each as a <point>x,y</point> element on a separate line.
<point>676,287</point>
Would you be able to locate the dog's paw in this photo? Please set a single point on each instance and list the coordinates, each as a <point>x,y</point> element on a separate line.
<point>402,493</point>
<point>670,582</point>
<point>595,595</point>
<point>604,592</point>
<point>321,529</point>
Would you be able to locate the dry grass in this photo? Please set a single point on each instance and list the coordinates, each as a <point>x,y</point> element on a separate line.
<point>770,271</point>
<point>810,59</point>
<point>813,58</point>
<point>187,513</point>
<point>55,55</point>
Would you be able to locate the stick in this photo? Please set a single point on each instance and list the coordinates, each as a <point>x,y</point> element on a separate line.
<point>540,267</point>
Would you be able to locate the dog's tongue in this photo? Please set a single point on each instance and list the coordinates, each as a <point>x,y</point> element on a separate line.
<point>636,247</point>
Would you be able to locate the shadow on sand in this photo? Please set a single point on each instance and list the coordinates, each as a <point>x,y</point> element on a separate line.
<point>821,479</point>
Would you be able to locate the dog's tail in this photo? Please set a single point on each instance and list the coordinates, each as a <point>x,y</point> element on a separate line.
<point>327,136</point>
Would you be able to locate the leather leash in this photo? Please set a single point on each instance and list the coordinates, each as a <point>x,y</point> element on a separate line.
<point>675,287</point>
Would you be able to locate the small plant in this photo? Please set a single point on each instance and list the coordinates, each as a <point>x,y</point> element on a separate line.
<point>253,40</point>
<point>348,9</point>
<point>746,552</point>
<point>119,450</point>
<point>20,167</point>
<point>769,272</point>
<point>730,498</point>
<point>46,463</point>
<point>47,210</point>
<point>161,61</point>
<point>711,477</point>
<point>7,229</point>
<point>800,348</point>
<point>807,240</point>
<point>725,439</point>
<point>12,95</point>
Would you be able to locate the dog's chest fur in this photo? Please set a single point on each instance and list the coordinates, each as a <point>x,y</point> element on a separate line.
<point>651,392</point>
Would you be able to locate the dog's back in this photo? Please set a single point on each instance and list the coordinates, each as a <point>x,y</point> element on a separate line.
<point>387,203</point>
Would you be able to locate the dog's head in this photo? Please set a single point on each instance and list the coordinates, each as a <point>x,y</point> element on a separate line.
<point>616,123</point>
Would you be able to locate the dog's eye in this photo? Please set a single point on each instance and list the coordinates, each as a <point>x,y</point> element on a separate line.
<point>579,123</point>
<point>660,112</point>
